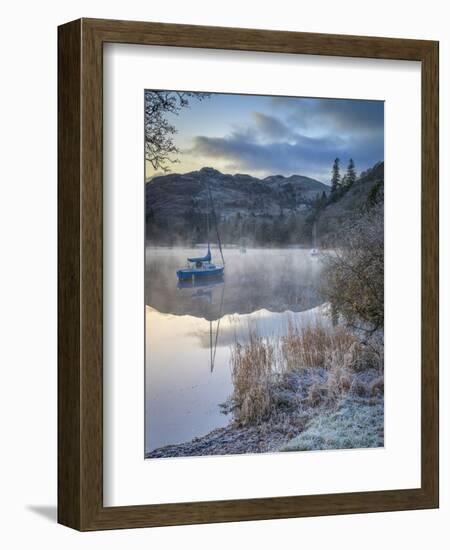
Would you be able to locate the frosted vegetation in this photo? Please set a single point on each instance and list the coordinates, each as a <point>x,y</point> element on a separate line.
<point>358,423</point>
<point>322,382</point>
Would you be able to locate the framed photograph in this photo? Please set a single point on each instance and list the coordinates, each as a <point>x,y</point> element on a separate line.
<point>248,274</point>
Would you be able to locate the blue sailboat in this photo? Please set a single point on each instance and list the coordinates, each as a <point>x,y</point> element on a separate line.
<point>200,268</point>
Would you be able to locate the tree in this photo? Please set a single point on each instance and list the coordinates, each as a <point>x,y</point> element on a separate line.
<point>354,272</point>
<point>160,148</point>
<point>335,176</point>
<point>350,177</point>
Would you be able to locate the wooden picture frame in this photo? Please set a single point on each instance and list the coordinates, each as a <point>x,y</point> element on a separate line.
<point>80,272</point>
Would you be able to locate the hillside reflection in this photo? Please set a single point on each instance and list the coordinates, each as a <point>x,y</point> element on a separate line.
<point>273,279</point>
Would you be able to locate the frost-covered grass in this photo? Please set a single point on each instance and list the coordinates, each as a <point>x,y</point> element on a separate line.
<point>318,387</point>
<point>356,423</point>
<point>327,359</point>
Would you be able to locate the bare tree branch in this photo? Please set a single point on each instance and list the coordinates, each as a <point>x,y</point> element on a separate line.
<point>160,149</point>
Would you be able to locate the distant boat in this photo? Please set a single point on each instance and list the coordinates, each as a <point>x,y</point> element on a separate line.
<point>242,245</point>
<point>314,251</point>
<point>202,267</point>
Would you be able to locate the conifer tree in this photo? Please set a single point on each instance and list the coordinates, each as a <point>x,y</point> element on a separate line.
<point>351,174</point>
<point>335,176</point>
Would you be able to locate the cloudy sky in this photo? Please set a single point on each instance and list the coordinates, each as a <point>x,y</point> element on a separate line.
<point>266,135</point>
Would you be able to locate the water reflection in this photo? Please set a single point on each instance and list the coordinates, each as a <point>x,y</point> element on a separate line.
<point>273,279</point>
<point>191,326</point>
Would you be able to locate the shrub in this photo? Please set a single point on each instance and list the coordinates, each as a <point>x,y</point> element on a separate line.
<point>354,272</point>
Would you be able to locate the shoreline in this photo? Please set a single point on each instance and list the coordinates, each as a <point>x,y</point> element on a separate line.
<point>299,423</point>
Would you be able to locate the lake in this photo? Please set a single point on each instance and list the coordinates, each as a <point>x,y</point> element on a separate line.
<point>190,330</point>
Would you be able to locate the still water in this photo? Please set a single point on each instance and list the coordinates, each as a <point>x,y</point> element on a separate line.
<point>190,330</point>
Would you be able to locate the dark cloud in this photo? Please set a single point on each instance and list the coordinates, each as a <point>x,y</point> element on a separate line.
<point>304,138</point>
<point>348,116</point>
<point>307,156</point>
<point>352,116</point>
<point>271,127</point>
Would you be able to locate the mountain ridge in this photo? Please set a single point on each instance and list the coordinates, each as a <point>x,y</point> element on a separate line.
<point>239,193</point>
<point>275,210</point>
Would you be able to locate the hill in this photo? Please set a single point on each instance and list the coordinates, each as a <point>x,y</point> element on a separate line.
<point>263,211</point>
<point>274,211</point>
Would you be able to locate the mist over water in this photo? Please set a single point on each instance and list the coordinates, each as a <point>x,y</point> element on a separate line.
<point>189,330</point>
<point>273,279</point>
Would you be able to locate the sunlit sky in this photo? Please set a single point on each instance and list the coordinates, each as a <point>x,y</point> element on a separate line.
<point>266,135</point>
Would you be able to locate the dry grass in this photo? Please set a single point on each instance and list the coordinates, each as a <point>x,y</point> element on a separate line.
<point>318,345</point>
<point>253,376</point>
<point>261,365</point>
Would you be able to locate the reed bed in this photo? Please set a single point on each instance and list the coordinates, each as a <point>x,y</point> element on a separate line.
<point>317,345</point>
<point>253,372</point>
<point>263,368</point>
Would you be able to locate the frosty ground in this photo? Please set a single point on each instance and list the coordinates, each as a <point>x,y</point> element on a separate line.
<point>304,416</point>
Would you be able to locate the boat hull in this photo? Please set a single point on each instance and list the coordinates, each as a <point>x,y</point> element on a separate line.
<point>195,274</point>
<point>206,283</point>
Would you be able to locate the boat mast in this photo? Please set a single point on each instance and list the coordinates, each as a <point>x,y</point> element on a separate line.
<point>211,346</point>
<point>213,357</point>
<point>215,221</point>
<point>207,218</point>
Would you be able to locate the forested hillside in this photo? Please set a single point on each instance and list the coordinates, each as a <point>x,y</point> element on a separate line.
<point>274,211</point>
